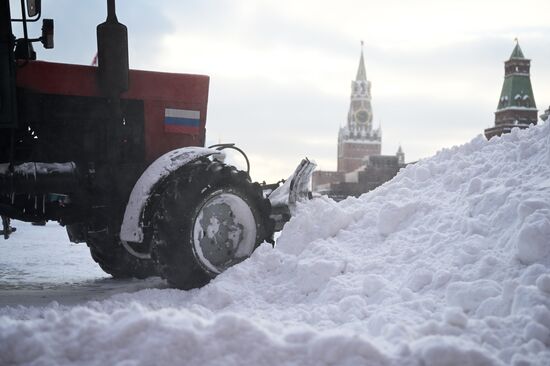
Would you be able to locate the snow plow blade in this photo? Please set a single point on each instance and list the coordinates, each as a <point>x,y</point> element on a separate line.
<point>294,189</point>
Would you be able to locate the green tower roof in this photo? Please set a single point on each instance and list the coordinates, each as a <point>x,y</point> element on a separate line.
<point>516,89</point>
<point>517,92</point>
<point>517,53</point>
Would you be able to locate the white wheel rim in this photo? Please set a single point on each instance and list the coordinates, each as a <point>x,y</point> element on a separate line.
<point>224,231</point>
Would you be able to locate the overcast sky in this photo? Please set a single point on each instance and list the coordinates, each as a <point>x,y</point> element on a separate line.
<point>281,70</point>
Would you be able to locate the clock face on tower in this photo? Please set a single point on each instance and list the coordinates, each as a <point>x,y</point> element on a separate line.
<point>362,116</point>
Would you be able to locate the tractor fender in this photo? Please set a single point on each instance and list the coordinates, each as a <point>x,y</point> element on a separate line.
<point>131,229</point>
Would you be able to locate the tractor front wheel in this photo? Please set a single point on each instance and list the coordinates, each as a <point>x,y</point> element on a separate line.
<point>210,217</point>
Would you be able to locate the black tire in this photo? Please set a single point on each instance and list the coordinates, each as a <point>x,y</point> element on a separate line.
<point>112,257</point>
<point>188,253</point>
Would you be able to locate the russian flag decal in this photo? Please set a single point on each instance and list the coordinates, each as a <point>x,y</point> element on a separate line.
<point>182,121</point>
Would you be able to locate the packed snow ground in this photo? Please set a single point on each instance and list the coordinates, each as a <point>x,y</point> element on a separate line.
<point>39,265</point>
<point>447,264</point>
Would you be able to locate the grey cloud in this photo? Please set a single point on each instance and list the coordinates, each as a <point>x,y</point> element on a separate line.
<point>76,22</point>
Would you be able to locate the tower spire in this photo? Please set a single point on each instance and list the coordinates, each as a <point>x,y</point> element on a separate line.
<point>358,139</point>
<point>517,53</point>
<point>361,71</point>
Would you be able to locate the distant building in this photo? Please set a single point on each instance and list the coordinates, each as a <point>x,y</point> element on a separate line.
<point>516,105</point>
<point>360,167</point>
<point>545,115</point>
<point>358,140</point>
<point>378,170</point>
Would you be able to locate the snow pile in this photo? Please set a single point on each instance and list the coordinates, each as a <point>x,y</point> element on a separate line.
<point>449,263</point>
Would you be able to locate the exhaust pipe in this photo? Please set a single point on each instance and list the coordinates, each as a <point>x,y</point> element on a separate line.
<point>112,54</point>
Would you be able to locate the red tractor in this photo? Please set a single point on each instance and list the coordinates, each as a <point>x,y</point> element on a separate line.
<point>117,156</point>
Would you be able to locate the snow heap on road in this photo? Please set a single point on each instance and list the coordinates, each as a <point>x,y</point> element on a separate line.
<point>447,264</point>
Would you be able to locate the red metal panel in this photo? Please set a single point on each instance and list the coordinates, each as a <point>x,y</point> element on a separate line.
<point>157,141</point>
<point>55,78</point>
<point>157,90</point>
<point>163,90</point>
